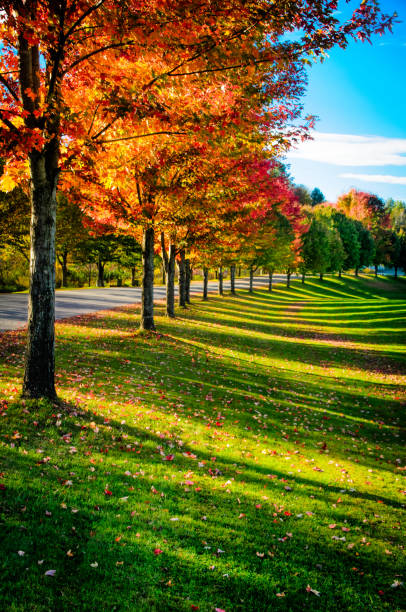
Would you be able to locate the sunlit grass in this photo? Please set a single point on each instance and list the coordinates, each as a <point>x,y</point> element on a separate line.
<point>250,450</point>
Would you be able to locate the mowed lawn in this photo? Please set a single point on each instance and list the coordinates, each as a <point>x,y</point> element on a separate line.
<point>249,456</point>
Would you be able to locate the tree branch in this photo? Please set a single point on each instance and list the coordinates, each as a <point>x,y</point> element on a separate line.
<point>8,87</point>
<point>138,136</point>
<point>96,51</point>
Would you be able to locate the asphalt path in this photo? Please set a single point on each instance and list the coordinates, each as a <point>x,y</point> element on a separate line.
<point>14,306</point>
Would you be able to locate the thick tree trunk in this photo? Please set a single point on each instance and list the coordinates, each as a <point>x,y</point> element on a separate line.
<point>39,371</point>
<point>187,281</point>
<point>232,279</point>
<point>251,287</point>
<point>321,276</point>
<point>147,298</point>
<point>303,278</point>
<point>64,266</point>
<point>170,282</point>
<point>270,279</point>
<point>220,278</point>
<point>205,282</point>
<point>100,272</point>
<point>288,275</point>
<point>182,279</point>
<point>163,272</point>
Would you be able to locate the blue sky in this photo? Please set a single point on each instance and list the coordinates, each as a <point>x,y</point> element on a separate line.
<point>359,95</point>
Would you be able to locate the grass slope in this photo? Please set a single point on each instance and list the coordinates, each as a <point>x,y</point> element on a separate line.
<point>247,457</point>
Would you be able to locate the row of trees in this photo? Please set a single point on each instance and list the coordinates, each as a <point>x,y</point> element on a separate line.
<point>157,120</point>
<point>357,231</point>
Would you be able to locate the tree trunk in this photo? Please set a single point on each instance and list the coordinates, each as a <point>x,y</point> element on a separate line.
<point>170,282</point>
<point>147,298</point>
<point>39,374</point>
<point>288,275</point>
<point>356,271</point>
<point>270,279</point>
<point>339,273</point>
<point>396,271</point>
<point>239,271</point>
<point>303,278</point>
<point>163,272</point>
<point>64,266</point>
<point>220,278</point>
<point>90,274</point>
<point>187,281</point>
<point>100,272</point>
<point>205,282</point>
<point>376,271</point>
<point>232,279</point>
<point>321,276</point>
<point>251,287</point>
<point>182,279</point>
<point>133,277</point>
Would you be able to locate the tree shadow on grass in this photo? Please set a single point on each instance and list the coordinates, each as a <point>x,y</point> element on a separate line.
<point>111,538</point>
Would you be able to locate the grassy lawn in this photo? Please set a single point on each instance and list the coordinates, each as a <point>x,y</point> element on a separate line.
<point>247,457</point>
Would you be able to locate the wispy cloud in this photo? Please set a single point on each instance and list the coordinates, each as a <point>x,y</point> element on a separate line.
<point>376,178</point>
<point>352,150</point>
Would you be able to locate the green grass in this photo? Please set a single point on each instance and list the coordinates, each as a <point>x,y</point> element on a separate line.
<point>255,440</point>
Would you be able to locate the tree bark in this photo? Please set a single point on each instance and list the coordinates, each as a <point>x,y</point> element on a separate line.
<point>133,276</point>
<point>376,271</point>
<point>239,271</point>
<point>39,374</point>
<point>339,273</point>
<point>147,298</point>
<point>220,279</point>
<point>288,275</point>
<point>90,275</point>
<point>64,266</point>
<point>356,271</point>
<point>170,282</point>
<point>251,287</point>
<point>321,276</point>
<point>187,281</point>
<point>39,371</point>
<point>270,279</point>
<point>163,272</point>
<point>396,271</point>
<point>303,278</point>
<point>181,280</point>
<point>205,282</point>
<point>232,279</point>
<point>100,272</point>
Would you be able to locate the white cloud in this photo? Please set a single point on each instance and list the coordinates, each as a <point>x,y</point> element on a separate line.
<point>377,178</point>
<point>352,150</point>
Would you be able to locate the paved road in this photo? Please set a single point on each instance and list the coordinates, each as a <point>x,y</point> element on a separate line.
<point>13,306</point>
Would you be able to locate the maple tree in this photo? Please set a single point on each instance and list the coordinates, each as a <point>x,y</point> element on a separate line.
<point>52,50</point>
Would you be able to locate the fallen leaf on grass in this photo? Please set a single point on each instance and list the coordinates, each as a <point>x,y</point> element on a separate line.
<point>310,590</point>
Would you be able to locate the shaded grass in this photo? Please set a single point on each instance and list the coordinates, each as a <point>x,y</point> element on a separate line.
<point>270,426</point>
